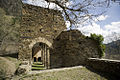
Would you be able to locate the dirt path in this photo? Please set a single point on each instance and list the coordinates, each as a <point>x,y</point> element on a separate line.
<point>52,70</point>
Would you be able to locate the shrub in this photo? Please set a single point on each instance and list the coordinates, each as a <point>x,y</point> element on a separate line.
<point>99,39</point>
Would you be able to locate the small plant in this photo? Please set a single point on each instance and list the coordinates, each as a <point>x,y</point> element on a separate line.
<point>99,39</point>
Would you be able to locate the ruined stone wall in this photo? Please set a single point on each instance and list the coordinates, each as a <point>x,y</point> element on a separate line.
<point>72,48</point>
<point>105,65</point>
<point>38,25</point>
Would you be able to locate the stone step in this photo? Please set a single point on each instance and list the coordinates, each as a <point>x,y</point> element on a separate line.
<point>38,66</point>
<point>35,65</point>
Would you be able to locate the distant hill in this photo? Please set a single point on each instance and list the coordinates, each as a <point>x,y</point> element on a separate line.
<point>113,50</point>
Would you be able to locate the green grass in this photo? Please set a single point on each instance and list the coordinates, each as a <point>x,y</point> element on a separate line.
<point>34,65</point>
<point>38,63</point>
<point>38,68</point>
<point>71,74</point>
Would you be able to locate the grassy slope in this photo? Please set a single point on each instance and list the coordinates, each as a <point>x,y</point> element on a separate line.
<point>71,74</point>
<point>13,60</point>
<point>8,66</point>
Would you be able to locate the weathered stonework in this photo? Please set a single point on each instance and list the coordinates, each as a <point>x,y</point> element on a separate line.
<point>105,65</point>
<point>44,29</point>
<point>72,48</point>
<point>38,25</point>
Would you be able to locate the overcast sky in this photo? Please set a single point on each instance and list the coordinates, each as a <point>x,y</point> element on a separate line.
<point>108,23</point>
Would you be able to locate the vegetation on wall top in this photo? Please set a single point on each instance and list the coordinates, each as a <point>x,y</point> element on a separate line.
<point>99,39</point>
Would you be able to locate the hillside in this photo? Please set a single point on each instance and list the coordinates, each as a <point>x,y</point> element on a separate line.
<point>9,32</point>
<point>11,7</point>
<point>113,50</point>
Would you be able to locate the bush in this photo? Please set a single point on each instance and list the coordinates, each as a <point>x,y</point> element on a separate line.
<point>99,39</point>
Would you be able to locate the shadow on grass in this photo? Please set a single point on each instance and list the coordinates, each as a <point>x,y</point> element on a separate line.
<point>108,76</point>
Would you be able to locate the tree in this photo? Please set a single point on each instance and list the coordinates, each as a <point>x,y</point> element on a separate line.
<point>116,1</point>
<point>80,11</point>
<point>115,40</point>
<point>99,39</point>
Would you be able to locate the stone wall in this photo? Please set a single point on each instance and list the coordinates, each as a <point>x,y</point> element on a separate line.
<point>38,25</point>
<point>72,48</point>
<point>105,65</point>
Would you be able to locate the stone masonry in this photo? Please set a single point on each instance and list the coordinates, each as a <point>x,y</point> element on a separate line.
<point>60,48</point>
<point>38,25</point>
<point>72,48</point>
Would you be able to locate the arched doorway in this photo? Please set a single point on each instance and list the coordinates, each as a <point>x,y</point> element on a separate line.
<point>40,54</point>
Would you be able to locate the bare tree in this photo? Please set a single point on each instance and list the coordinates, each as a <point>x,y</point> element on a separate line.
<point>113,36</point>
<point>116,36</point>
<point>80,11</point>
<point>116,1</point>
<point>113,48</point>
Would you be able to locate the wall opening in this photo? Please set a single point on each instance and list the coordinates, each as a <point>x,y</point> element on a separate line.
<point>35,59</point>
<point>40,54</point>
<point>39,59</point>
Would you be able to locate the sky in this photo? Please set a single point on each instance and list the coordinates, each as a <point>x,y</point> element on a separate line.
<point>108,24</point>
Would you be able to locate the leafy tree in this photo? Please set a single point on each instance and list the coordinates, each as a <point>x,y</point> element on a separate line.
<point>99,39</point>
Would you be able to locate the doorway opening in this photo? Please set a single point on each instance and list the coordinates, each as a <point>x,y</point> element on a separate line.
<point>40,56</point>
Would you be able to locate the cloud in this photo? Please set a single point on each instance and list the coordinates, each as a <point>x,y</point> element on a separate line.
<point>95,28</point>
<point>43,3</point>
<point>107,31</point>
<point>67,23</point>
<point>113,27</point>
<point>101,18</point>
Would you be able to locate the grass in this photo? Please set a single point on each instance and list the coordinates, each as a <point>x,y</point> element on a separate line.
<point>14,60</point>
<point>34,65</point>
<point>38,66</point>
<point>38,63</point>
<point>71,74</point>
<point>8,66</point>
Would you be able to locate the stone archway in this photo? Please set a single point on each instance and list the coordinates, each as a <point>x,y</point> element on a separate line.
<point>42,52</point>
<point>40,39</point>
